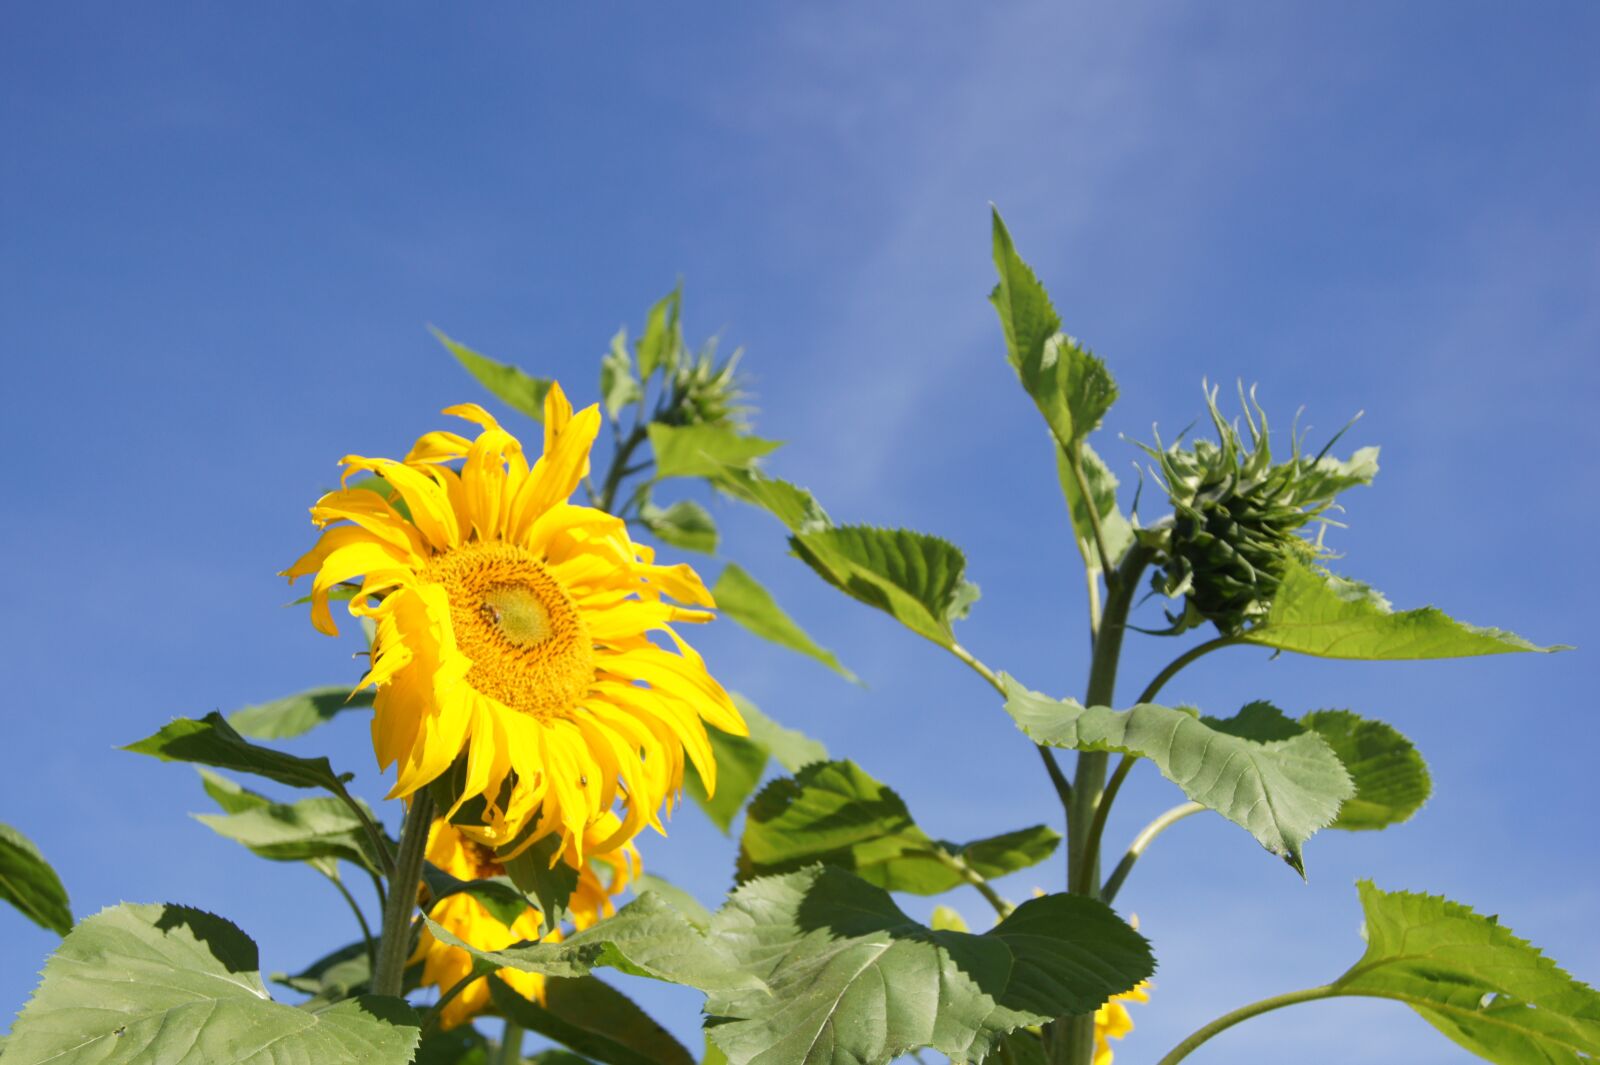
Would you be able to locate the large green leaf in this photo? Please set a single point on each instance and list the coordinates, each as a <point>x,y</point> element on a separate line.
<point>918,579</point>
<point>168,985</point>
<point>703,450</point>
<point>29,884</point>
<point>298,831</point>
<point>647,937</point>
<point>686,904</point>
<point>835,813</point>
<point>1317,613</point>
<point>508,384</point>
<point>684,524</point>
<point>1100,503</point>
<point>849,979</point>
<point>593,1018</point>
<point>1474,980</point>
<point>297,714</point>
<point>1259,770</point>
<point>740,763</point>
<point>741,597</point>
<point>792,505</point>
<point>212,741</point>
<point>1071,387</point>
<point>1391,778</point>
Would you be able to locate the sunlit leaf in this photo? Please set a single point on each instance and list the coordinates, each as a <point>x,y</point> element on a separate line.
<point>1316,613</point>
<point>507,383</point>
<point>686,904</point>
<point>168,985</point>
<point>684,524</point>
<point>297,714</point>
<point>298,831</point>
<point>1391,778</point>
<point>1260,770</point>
<point>212,741</point>
<point>792,505</point>
<point>619,386</point>
<point>29,883</point>
<point>658,345</point>
<point>848,979</point>
<point>741,597</point>
<point>916,578</point>
<point>1115,529</point>
<point>703,450</point>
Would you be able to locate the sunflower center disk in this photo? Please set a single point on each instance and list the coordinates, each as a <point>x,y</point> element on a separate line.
<point>527,641</point>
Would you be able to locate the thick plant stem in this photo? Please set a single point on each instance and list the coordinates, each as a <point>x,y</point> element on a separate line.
<point>1072,1041</point>
<point>1243,1013</point>
<point>395,943</point>
<point>510,1045</point>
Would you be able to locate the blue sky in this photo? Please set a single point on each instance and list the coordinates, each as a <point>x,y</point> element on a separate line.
<point>223,232</point>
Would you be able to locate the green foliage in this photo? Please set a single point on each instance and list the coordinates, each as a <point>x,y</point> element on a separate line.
<point>741,597</point>
<point>704,450</point>
<point>835,813</point>
<point>1100,504</point>
<point>1317,613</point>
<point>740,762</point>
<point>619,385</point>
<point>795,507</point>
<point>29,883</point>
<point>295,715</point>
<point>916,578</point>
<point>594,1019</point>
<point>661,340</point>
<point>1474,980</point>
<point>546,882</point>
<point>504,901</point>
<point>510,385</point>
<point>846,978</point>
<point>341,974</point>
<point>212,741</point>
<point>168,985</point>
<point>1279,784</point>
<point>684,524</point>
<point>298,831</point>
<point>461,1046</point>
<point>1391,778</point>
<point>686,904</point>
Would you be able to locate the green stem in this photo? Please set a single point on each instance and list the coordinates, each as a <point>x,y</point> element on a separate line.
<point>388,975</point>
<point>619,464</point>
<point>510,1045</point>
<point>959,865</point>
<point>1177,664</point>
<point>1075,460</point>
<point>1102,812</point>
<point>1243,1013</point>
<point>1145,837</point>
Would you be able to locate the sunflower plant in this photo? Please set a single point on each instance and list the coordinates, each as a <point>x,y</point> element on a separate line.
<point>530,684</point>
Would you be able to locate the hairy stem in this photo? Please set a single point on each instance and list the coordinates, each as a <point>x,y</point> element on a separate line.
<point>1243,1013</point>
<point>389,972</point>
<point>1145,837</point>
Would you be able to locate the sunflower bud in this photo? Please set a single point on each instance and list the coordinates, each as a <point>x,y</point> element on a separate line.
<point>1238,516</point>
<point>705,392</point>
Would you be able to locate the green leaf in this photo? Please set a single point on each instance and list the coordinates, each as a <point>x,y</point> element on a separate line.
<point>1391,779</point>
<point>506,383</point>
<point>168,985</point>
<point>791,748</point>
<point>1260,770</point>
<point>593,1018</point>
<point>703,450</point>
<point>916,578</point>
<point>1114,527</point>
<point>29,884</point>
<point>741,597</point>
<point>464,1045</point>
<point>212,741</point>
<point>299,831</point>
<point>294,715</point>
<point>1070,386</point>
<point>849,979</point>
<point>795,507</point>
<point>740,763</point>
<point>679,899</point>
<point>1010,851</point>
<point>549,883</point>
<point>232,796</point>
<point>658,346</point>
<point>684,524</point>
<point>346,971</point>
<point>647,937</point>
<point>1317,613</point>
<point>619,386</point>
<point>1474,980</point>
<point>498,895</point>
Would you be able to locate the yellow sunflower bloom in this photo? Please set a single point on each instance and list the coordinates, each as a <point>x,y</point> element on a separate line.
<point>1112,1021</point>
<point>513,635</point>
<point>444,966</point>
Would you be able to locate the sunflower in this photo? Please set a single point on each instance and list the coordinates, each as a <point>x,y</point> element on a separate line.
<point>512,636</point>
<point>1112,1021</point>
<point>444,966</point>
